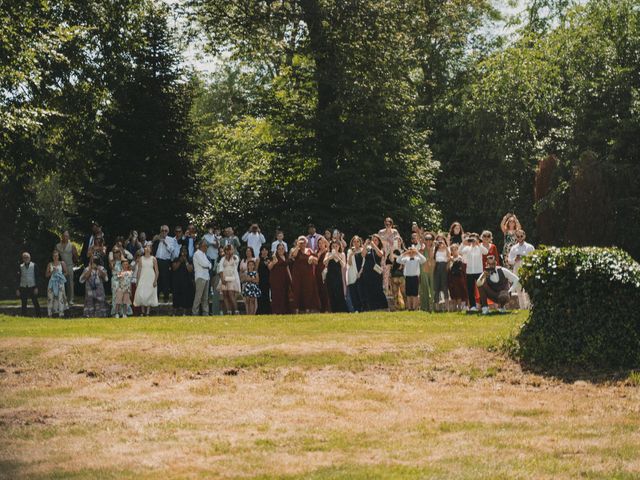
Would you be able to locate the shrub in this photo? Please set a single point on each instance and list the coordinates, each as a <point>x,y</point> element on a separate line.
<point>585,309</point>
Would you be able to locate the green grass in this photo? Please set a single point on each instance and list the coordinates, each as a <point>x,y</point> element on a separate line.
<point>377,395</point>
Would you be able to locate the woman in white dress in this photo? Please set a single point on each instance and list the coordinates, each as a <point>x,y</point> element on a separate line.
<point>56,296</point>
<point>146,282</point>
<point>229,280</point>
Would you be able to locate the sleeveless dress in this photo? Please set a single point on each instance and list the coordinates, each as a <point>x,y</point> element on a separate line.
<point>458,280</point>
<point>146,293</point>
<point>509,241</point>
<point>303,283</point>
<point>264,301</point>
<point>56,296</point>
<point>183,288</point>
<point>251,289</point>
<point>323,293</point>
<point>280,282</point>
<point>335,287</point>
<point>371,292</point>
<point>228,270</point>
<point>355,289</point>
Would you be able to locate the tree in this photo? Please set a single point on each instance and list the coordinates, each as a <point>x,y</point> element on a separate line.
<point>347,67</point>
<point>146,177</point>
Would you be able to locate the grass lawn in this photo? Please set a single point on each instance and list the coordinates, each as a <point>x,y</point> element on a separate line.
<point>381,395</point>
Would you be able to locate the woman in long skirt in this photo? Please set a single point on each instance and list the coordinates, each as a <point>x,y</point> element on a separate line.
<point>371,290</point>
<point>94,298</point>
<point>303,282</point>
<point>335,262</point>
<point>147,282</point>
<point>56,296</point>
<point>264,300</point>
<point>323,293</point>
<point>279,281</point>
<point>354,273</point>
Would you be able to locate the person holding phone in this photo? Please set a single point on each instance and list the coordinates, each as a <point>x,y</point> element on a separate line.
<point>93,277</point>
<point>473,251</point>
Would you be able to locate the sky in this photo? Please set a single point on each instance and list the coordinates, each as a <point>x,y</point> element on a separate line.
<point>203,62</point>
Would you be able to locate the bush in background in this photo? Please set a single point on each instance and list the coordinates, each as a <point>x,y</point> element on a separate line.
<point>585,309</point>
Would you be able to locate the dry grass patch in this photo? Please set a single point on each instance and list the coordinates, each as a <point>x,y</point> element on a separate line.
<point>341,403</point>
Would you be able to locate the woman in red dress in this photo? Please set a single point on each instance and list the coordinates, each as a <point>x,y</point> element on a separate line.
<point>303,281</point>
<point>487,241</point>
<point>323,292</point>
<point>279,281</point>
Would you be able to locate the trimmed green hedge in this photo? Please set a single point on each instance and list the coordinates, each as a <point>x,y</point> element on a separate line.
<point>585,309</point>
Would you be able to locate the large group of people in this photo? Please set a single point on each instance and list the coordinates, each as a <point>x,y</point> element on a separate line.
<point>207,275</point>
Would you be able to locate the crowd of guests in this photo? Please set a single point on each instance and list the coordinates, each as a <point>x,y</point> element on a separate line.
<point>446,271</point>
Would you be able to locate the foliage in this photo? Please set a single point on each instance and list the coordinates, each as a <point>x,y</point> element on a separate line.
<point>567,90</point>
<point>585,308</point>
<point>335,79</point>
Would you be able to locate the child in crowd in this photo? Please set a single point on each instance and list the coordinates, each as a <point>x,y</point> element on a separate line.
<point>251,290</point>
<point>123,289</point>
<point>411,259</point>
<point>457,279</point>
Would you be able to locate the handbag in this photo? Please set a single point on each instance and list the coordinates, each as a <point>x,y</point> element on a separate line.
<point>324,275</point>
<point>377,268</point>
<point>229,279</point>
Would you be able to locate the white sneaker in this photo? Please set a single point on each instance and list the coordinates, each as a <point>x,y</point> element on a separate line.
<point>502,310</point>
<point>473,309</point>
<point>485,310</point>
<point>124,315</point>
<point>117,315</point>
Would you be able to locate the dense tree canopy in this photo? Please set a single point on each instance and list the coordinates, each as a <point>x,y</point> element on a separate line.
<point>320,110</point>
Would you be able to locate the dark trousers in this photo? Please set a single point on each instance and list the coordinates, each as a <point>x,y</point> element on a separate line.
<point>25,294</point>
<point>164,277</point>
<point>501,297</point>
<point>471,287</point>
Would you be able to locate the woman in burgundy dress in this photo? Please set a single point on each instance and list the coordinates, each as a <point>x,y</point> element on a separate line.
<point>279,281</point>
<point>303,281</point>
<point>323,292</point>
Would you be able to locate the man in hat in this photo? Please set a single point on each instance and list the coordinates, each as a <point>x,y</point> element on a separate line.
<point>494,284</point>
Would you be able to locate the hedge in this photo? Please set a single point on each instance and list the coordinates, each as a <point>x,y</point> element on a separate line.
<point>585,309</point>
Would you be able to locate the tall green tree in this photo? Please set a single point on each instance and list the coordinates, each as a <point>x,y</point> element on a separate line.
<point>146,176</point>
<point>341,71</point>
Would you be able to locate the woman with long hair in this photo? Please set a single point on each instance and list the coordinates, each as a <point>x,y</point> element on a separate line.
<point>354,273</point>
<point>229,279</point>
<point>456,233</point>
<point>509,226</point>
<point>323,292</point>
<point>147,282</point>
<point>371,289</point>
<point>264,300</point>
<point>279,281</point>
<point>303,282</point>
<point>441,255</point>
<point>56,295</point>
<point>335,261</point>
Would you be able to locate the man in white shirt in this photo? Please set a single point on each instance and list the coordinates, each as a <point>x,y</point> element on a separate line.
<point>520,250</point>
<point>254,239</point>
<point>472,252</point>
<point>201,270</point>
<point>212,238</point>
<point>279,241</point>
<point>165,249</point>
<point>494,285</point>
